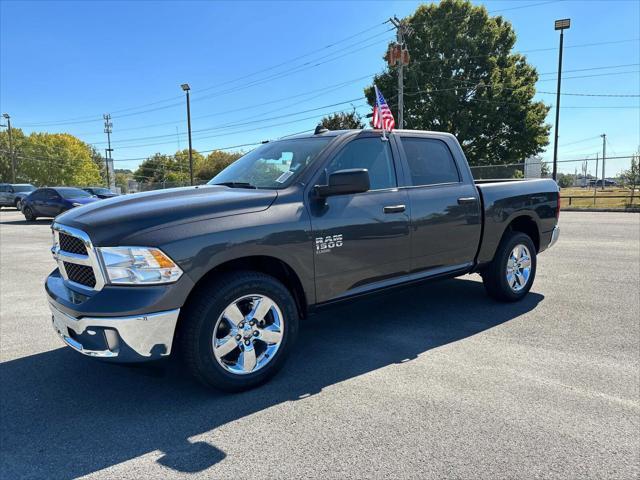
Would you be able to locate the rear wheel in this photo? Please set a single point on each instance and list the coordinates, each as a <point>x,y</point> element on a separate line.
<point>238,329</point>
<point>510,275</point>
<point>18,204</point>
<point>29,215</point>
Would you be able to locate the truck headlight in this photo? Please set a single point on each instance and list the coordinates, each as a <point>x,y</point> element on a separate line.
<point>138,266</point>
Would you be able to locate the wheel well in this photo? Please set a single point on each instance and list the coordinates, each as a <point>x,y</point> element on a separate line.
<point>267,265</point>
<point>528,226</point>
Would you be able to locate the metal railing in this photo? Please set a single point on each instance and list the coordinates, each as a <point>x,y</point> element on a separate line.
<point>587,200</point>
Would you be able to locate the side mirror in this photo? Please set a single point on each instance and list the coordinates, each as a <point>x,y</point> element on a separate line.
<point>342,182</point>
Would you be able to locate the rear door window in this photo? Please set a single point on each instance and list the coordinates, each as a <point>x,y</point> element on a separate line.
<point>430,161</point>
<point>50,195</point>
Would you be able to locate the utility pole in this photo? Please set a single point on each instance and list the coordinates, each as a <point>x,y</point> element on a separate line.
<point>604,155</point>
<point>108,128</point>
<point>13,157</point>
<point>595,185</point>
<point>559,25</point>
<point>186,88</point>
<point>400,56</point>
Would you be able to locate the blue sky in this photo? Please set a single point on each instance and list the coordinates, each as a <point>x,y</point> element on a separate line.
<point>64,64</point>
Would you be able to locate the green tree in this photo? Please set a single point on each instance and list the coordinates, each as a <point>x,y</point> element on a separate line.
<point>214,163</point>
<point>122,180</point>
<point>631,177</point>
<point>155,169</point>
<point>342,121</point>
<point>98,159</point>
<point>463,78</point>
<point>565,180</point>
<point>182,164</point>
<point>5,157</point>
<point>57,159</point>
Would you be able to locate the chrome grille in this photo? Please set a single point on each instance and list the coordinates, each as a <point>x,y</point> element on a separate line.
<point>72,244</point>
<point>80,274</point>
<point>76,257</point>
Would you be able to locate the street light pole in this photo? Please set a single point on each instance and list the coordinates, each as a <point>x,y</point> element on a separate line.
<point>559,25</point>
<point>186,88</point>
<point>13,158</point>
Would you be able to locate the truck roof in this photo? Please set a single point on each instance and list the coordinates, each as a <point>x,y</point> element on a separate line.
<point>336,133</point>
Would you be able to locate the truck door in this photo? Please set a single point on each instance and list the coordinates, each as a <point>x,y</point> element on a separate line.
<point>445,207</point>
<point>363,238</point>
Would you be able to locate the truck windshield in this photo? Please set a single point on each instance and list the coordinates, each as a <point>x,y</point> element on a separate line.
<point>272,165</point>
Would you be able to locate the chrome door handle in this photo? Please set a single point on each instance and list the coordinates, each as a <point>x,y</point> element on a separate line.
<point>394,209</point>
<point>467,200</point>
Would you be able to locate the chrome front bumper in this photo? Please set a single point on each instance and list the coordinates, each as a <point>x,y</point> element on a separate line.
<point>135,338</point>
<point>554,236</point>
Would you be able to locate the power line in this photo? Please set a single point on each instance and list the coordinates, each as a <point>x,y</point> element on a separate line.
<point>583,45</point>
<point>238,123</point>
<point>580,141</point>
<point>290,72</point>
<point>524,6</point>
<point>331,45</point>
<point>257,82</point>
<point>306,64</point>
<point>482,84</point>
<point>94,118</point>
<point>594,75</point>
<point>506,102</point>
<point>618,95</point>
<point>323,90</point>
<point>594,68</point>
<point>241,131</point>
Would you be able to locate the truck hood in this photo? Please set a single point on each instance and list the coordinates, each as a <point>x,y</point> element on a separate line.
<point>112,220</point>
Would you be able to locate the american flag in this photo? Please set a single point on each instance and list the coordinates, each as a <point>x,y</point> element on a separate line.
<point>382,116</point>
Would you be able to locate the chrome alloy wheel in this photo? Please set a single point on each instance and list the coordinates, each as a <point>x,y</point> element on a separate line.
<point>518,268</point>
<point>248,334</point>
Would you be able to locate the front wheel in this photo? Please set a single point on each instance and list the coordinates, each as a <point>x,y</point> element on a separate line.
<point>510,274</point>
<point>238,329</point>
<point>28,214</point>
<point>18,204</point>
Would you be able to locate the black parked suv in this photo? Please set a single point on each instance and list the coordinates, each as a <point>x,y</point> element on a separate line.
<point>228,269</point>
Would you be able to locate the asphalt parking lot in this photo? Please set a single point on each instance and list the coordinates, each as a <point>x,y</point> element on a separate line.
<point>425,382</point>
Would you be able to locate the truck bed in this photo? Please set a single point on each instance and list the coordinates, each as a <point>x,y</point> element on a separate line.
<point>503,201</point>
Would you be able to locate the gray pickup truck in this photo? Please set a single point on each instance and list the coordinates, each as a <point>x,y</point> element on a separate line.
<point>223,272</point>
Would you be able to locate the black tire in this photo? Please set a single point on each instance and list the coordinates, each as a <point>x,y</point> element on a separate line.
<point>28,214</point>
<point>495,275</point>
<point>200,316</point>
<point>17,204</point>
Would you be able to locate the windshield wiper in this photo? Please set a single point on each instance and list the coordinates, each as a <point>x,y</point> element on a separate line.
<point>236,184</point>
